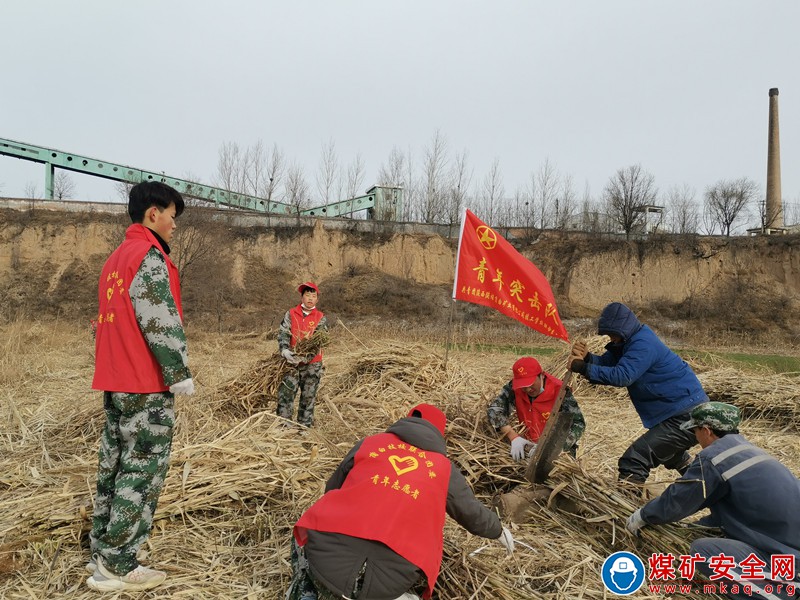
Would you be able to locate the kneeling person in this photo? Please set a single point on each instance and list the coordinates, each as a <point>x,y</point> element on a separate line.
<point>378,530</point>
<point>531,393</point>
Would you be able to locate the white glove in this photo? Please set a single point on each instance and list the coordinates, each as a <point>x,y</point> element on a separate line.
<point>531,449</point>
<point>183,387</point>
<point>518,447</point>
<point>290,357</point>
<point>635,522</point>
<point>507,540</point>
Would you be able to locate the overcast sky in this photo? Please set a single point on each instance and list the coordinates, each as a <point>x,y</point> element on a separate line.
<point>680,87</point>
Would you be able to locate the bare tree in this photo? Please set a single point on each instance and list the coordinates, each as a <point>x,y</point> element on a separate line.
<point>193,240</point>
<point>528,216</point>
<point>726,199</point>
<point>355,176</point>
<point>392,172</point>
<point>682,209</point>
<point>63,186</point>
<point>296,189</point>
<point>122,189</point>
<point>791,212</point>
<point>707,221</point>
<point>230,167</point>
<point>591,218</point>
<point>546,193</point>
<point>255,166</point>
<point>492,191</point>
<point>459,181</point>
<point>31,191</point>
<point>517,209</point>
<point>412,192</point>
<point>626,193</point>
<point>275,167</point>
<point>434,166</point>
<point>565,203</point>
<point>327,171</point>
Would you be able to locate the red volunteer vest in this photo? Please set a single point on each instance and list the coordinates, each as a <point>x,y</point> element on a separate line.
<point>395,494</point>
<point>535,414</point>
<point>304,326</point>
<point>123,360</point>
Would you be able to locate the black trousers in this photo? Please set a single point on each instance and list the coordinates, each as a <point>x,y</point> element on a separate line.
<point>665,444</point>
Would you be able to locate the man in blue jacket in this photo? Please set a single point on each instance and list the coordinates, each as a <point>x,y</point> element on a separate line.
<point>752,497</point>
<point>662,387</point>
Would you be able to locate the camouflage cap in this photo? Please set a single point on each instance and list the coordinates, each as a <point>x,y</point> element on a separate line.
<point>716,415</point>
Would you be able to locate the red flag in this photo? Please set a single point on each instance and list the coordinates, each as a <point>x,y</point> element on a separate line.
<point>491,272</point>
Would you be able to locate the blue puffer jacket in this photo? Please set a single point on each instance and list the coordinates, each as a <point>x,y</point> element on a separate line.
<point>660,384</point>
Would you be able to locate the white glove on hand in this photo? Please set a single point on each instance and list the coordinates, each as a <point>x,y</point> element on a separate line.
<point>183,387</point>
<point>518,447</point>
<point>635,522</point>
<point>290,357</point>
<point>507,540</point>
<point>531,449</point>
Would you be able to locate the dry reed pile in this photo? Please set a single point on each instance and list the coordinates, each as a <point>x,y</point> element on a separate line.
<point>237,483</point>
<point>257,387</point>
<point>773,398</point>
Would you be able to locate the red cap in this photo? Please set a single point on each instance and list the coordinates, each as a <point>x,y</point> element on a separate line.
<point>431,414</point>
<point>307,285</point>
<point>526,370</point>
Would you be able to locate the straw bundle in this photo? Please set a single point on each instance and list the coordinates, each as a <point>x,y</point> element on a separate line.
<point>254,389</point>
<point>775,398</point>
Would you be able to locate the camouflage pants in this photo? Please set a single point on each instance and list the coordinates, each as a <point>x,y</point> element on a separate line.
<point>307,378</point>
<point>133,462</point>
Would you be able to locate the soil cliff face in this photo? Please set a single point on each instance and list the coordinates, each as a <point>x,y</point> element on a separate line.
<point>49,263</point>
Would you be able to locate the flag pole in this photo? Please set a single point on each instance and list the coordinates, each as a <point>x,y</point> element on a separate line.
<point>455,283</point>
<point>449,331</point>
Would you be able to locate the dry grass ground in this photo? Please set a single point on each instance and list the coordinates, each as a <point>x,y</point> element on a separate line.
<point>237,483</point>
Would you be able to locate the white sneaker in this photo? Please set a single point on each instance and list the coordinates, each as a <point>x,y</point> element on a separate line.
<point>140,578</point>
<point>91,566</point>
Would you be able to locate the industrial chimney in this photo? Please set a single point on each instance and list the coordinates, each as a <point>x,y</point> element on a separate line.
<point>774,206</point>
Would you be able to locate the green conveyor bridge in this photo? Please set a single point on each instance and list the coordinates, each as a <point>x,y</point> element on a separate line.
<point>380,202</point>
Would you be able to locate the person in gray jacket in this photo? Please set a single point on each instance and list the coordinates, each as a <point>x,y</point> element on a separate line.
<point>376,533</point>
<point>753,498</point>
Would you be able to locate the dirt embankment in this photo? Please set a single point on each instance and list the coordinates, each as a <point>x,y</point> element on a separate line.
<point>244,277</point>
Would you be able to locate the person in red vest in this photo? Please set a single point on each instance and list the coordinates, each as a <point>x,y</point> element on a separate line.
<point>377,532</point>
<point>298,323</point>
<point>141,362</point>
<point>531,393</point>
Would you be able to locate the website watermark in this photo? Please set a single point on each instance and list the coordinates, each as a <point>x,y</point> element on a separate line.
<point>624,573</point>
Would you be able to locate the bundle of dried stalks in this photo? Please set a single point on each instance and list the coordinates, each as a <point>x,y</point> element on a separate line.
<point>774,398</point>
<point>254,389</point>
<point>392,366</point>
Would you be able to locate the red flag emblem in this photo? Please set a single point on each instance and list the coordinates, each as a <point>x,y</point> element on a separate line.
<point>489,271</point>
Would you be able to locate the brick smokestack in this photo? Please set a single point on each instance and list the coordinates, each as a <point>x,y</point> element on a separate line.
<point>774,207</point>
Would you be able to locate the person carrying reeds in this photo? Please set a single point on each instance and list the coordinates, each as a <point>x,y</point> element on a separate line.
<point>141,362</point>
<point>303,323</point>
<point>661,386</point>
<point>753,499</point>
<point>531,394</point>
<point>377,532</point>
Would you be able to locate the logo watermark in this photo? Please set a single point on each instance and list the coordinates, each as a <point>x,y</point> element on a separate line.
<point>623,573</point>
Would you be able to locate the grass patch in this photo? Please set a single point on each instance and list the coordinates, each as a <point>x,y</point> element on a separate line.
<point>776,363</point>
<point>508,349</point>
